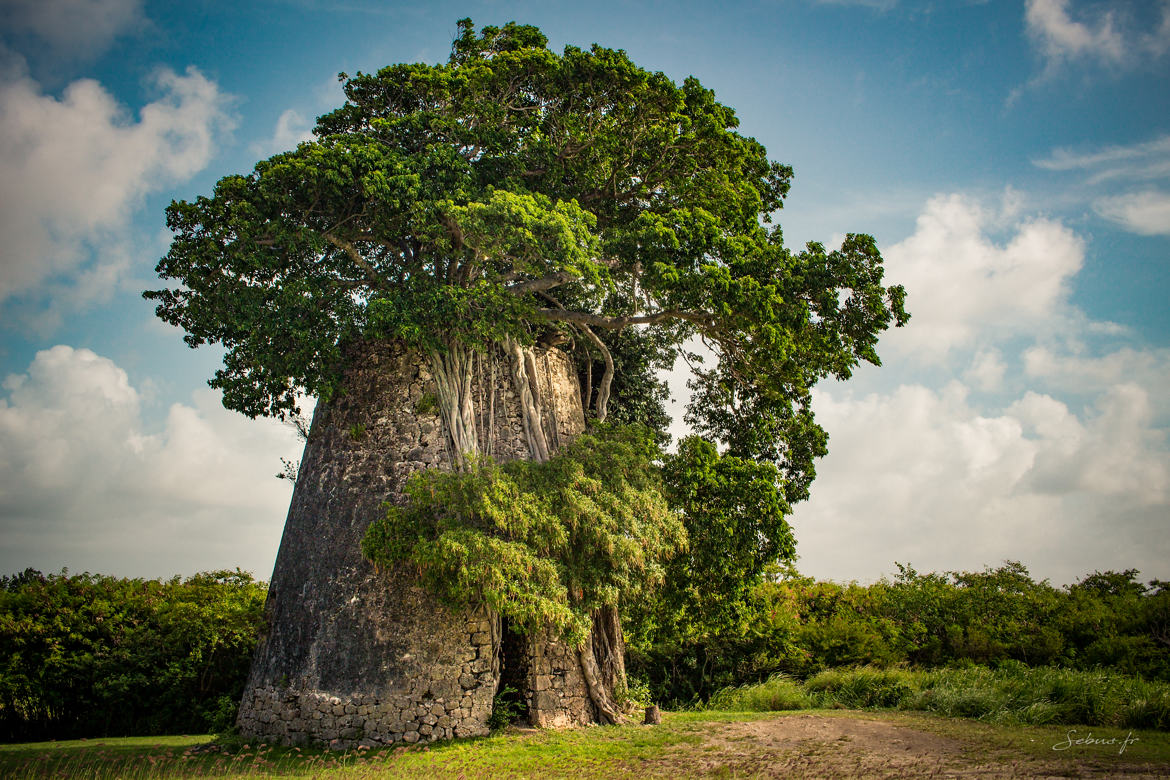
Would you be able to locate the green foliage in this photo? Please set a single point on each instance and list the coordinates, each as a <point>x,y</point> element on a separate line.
<point>707,618</point>
<point>357,431</point>
<point>778,692</point>
<point>543,544</point>
<point>428,404</point>
<point>794,624</point>
<point>510,191</point>
<point>861,687</point>
<point>90,655</point>
<point>507,708</point>
<point>1013,694</point>
<point>635,694</point>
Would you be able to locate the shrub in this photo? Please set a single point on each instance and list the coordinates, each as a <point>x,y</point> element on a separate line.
<point>90,655</point>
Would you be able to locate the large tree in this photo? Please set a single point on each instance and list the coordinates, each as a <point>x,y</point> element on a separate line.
<point>515,195</point>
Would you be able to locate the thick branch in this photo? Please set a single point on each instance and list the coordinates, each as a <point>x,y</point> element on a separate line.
<point>615,323</point>
<point>540,285</point>
<point>359,261</point>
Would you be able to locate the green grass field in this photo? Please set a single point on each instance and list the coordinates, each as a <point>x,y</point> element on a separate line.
<point>691,744</point>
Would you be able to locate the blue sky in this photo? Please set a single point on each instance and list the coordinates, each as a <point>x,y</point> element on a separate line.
<point>1011,158</point>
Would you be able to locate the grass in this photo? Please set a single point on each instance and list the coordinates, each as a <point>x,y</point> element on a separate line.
<point>1038,742</point>
<point>709,743</point>
<point>1010,695</point>
<point>587,752</point>
<point>779,692</point>
<point>1012,714</point>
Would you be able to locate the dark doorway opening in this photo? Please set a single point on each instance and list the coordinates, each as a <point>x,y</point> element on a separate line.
<point>511,702</point>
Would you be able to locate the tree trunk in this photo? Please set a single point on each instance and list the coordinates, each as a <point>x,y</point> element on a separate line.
<point>603,665</point>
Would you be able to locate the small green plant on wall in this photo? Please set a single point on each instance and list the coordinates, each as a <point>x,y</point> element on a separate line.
<point>427,404</point>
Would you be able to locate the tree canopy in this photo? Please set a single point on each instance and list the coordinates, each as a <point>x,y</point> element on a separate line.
<point>510,194</point>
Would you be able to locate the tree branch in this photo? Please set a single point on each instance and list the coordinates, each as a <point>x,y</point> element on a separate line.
<point>356,256</point>
<point>601,321</point>
<point>540,285</point>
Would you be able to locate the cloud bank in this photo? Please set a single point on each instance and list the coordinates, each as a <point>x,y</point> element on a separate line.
<point>86,483</point>
<point>1064,466</point>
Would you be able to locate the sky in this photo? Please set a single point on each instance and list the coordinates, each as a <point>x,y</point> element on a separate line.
<point>1012,159</point>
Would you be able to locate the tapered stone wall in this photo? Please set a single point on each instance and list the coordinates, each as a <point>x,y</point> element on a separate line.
<point>352,655</point>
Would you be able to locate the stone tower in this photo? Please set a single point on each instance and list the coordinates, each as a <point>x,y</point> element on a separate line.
<point>351,654</point>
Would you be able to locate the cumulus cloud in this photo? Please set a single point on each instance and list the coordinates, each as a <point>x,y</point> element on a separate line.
<point>1070,369</point>
<point>921,475</point>
<point>987,370</point>
<point>1146,213</point>
<point>73,168</point>
<point>964,285</point>
<point>1065,465</point>
<point>86,482</point>
<point>73,28</point>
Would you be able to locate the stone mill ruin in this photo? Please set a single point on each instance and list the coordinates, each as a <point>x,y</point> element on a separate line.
<point>352,654</point>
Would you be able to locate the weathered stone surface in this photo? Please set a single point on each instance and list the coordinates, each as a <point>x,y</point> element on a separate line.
<point>353,651</point>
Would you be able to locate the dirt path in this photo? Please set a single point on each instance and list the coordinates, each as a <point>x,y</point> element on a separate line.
<point>808,746</point>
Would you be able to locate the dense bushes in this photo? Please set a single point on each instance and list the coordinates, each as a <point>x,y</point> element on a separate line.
<point>1012,694</point>
<point>793,624</point>
<point>89,655</point>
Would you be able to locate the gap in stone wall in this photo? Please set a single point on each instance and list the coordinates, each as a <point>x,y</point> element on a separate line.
<point>515,671</point>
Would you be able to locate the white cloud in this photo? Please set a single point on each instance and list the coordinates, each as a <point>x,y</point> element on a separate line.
<point>72,169</point>
<point>1070,369</point>
<point>1061,38</point>
<point>921,475</point>
<point>85,482</point>
<point>963,285</point>
<point>1108,33</point>
<point>73,28</point>
<point>291,129</point>
<point>1147,213</point>
<point>1142,161</point>
<point>987,370</point>
<point>1137,154</point>
<point>1067,470</point>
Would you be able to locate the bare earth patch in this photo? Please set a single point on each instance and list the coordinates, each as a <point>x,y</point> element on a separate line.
<point>803,745</point>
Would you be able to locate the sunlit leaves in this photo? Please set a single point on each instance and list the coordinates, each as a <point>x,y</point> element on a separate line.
<point>544,544</point>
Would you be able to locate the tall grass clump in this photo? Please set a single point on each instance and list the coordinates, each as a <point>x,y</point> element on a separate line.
<point>778,692</point>
<point>1017,694</point>
<point>863,687</point>
<point>1012,694</point>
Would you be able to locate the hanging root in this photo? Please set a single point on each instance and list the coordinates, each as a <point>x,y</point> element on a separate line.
<point>608,711</point>
<point>607,379</point>
<point>452,371</point>
<point>525,378</point>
